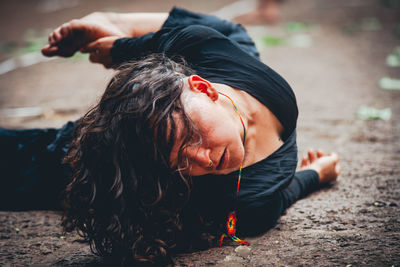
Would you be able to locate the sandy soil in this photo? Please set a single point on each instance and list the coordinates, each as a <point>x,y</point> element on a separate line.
<point>353,222</point>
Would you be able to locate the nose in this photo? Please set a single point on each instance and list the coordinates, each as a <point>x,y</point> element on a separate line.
<point>199,156</point>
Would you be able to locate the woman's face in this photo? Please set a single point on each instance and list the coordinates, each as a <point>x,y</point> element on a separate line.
<point>221,150</point>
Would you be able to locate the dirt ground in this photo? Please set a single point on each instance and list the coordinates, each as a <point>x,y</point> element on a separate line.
<point>333,53</point>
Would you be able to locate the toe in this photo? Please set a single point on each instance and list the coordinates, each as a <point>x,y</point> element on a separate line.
<point>312,156</point>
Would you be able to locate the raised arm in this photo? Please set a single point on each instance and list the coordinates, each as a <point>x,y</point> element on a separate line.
<point>78,33</point>
<point>138,24</point>
<point>97,33</point>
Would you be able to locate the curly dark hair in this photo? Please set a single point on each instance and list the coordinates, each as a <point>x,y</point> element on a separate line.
<point>124,199</point>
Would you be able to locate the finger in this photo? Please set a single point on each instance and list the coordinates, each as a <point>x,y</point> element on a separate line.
<point>59,34</point>
<point>65,30</point>
<point>50,39</point>
<point>57,37</point>
<point>49,50</point>
<point>92,47</point>
<point>320,153</point>
<point>304,162</point>
<point>311,156</point>
<point>95,58</point>
<point>108,64</point>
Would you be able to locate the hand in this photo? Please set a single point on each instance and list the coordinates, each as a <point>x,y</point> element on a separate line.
<point>100,50</point>
<point>76,34</point>
<point>327,166</point>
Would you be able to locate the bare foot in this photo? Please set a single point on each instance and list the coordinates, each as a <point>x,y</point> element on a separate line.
<point>76,34</point>
<point>327,166</point>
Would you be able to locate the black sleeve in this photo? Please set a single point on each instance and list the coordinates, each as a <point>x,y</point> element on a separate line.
<point>125,49</point>
<point>257,220</point>
<point>302,184</point>
<point>195,43</point>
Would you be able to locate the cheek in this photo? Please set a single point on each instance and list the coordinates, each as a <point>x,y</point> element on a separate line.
<point>216,127</point>
<point>215,135</point>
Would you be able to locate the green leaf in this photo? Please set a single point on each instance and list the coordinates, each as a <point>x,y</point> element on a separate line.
<point>388,83</point>
<point>273,41</point>
<point>296,27</point>
<point>371,113</point>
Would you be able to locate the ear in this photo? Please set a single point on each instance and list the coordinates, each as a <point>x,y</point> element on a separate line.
<point>199,84</point>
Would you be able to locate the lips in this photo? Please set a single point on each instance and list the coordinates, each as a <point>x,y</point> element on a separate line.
<point>223,162</point>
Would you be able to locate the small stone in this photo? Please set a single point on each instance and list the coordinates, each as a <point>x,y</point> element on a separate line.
<point>243,251</point>
<point>17,230</point>
<point>231,261</point>
<point>379,204</point>
<point>363,211</point>
<point>62,237</point>
<point>370,208</point>
<point>46,252</point>
<point>276,242</point>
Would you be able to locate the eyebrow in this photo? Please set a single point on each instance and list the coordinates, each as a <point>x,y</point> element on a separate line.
<point>174,139</point>
<point>179,138</point>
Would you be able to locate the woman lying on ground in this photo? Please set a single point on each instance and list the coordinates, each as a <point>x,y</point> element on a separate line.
<point>192,128</point>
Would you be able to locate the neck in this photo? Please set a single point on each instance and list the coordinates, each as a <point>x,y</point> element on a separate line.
<point>240,116</point>
<point>241,101</point>
<point>263,129</point>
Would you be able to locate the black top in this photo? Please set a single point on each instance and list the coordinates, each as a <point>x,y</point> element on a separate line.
<point>222,52</point>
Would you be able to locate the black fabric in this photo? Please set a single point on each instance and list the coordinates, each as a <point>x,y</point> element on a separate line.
<point>256,220</point>
<point>222,52</point>
<point>31,169</point>
<point>179,17</point>
<point>32,175</point>
<point>267,188</point>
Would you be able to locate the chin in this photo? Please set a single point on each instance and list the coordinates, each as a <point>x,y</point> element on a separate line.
<point>229,170</point>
